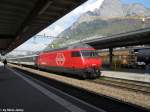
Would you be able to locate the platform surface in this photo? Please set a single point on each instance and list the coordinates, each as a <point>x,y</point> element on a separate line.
<point>143,77</point>
<point>20,94</point>
<point>17,94</point>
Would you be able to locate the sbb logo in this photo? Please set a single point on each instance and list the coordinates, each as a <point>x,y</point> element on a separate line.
<point>60,59</point>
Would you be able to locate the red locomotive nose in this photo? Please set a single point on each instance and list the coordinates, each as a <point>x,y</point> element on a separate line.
<point>100,62</point>
<point>97,63</point>
<point>93,63</point>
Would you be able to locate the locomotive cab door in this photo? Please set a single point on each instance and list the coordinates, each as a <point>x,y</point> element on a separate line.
<point>76,61</point>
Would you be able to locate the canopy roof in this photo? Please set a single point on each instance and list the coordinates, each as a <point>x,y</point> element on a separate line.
<point>21,19</point>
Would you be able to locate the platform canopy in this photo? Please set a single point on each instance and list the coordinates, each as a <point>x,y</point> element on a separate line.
<point>22,19</point>
<point>132,38</point>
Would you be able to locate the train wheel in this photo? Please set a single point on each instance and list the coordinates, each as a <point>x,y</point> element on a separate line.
<point>83,76</point>
<point>97,73</point>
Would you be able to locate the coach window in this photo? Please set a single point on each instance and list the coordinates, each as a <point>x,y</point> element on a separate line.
<point>76,54</point>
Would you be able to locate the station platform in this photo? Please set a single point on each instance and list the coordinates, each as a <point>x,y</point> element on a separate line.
<point>142,77</point>
<point>20,94</point>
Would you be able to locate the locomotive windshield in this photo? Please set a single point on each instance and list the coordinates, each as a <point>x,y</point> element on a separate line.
<point>89,53</point>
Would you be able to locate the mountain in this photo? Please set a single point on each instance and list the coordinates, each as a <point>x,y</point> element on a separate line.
<point>110,9</point>
<point>135,9</point>
<point>112,17</point>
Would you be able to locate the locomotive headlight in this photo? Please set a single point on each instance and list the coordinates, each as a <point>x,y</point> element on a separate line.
<point>93,64</point>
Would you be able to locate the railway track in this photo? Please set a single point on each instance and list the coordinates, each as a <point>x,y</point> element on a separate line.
<point>124,84</point>
<point>106,103</point>
<point>136,86</point>
<point>96,87</point>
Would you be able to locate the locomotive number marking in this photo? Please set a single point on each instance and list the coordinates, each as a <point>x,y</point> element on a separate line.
<point>60,59</point>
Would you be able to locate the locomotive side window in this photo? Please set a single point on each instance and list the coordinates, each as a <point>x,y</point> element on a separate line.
<point>89,53</point>
<point>75,54</point>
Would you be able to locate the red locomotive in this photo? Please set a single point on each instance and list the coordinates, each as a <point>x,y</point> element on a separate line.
<point>79,59</point>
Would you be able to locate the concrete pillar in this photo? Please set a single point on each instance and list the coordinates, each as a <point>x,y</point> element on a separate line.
<point>110,56</point>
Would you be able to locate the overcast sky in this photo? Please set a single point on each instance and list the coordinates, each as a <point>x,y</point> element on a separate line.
<point>66,21</point>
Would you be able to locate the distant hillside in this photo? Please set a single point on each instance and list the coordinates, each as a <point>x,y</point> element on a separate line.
<point>112,17</point>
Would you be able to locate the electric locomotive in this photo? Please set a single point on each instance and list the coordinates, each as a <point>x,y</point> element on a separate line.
<point>79,59</point>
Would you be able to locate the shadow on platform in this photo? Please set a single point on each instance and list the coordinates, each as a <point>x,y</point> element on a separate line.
<point>15,93</point>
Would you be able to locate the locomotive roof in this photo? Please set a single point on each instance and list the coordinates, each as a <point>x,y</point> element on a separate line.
<point>24,56</point>
<point>73,46</point>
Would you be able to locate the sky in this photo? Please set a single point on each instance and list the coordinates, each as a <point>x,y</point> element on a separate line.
<point>146,3</point>
<point>56,28</point>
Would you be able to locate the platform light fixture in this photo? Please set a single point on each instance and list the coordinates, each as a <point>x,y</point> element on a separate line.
<point>25,28</point>
<point>45,7</point>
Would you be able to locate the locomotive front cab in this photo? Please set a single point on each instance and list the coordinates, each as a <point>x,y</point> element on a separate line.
<point>92,62</point>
